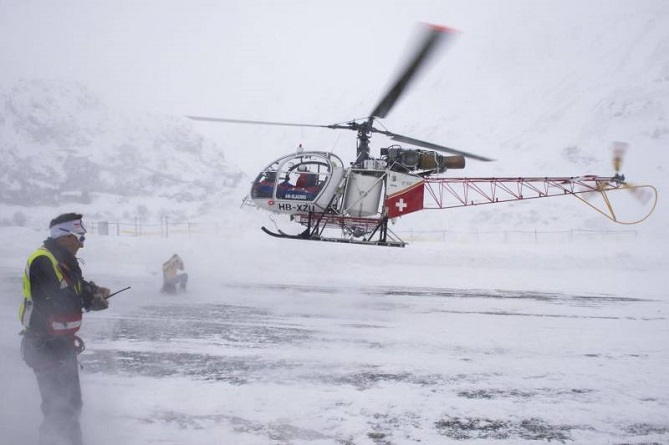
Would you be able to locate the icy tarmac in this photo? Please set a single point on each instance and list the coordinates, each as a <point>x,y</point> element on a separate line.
<point>297,362</point>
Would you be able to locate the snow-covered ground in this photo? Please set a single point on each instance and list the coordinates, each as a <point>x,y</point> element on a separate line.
<point>298,342</point>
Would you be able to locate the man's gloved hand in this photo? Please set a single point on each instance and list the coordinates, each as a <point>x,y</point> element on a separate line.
<point>104,291</point>
<point>99,301</point>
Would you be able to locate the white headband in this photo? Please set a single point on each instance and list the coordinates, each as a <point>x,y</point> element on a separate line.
<point>67,228</point>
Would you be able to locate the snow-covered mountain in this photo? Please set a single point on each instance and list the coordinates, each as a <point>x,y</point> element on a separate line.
<point>545,88</point>
<point>61,144</point>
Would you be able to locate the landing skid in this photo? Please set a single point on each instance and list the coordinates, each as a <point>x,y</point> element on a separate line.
<point>306,235</point>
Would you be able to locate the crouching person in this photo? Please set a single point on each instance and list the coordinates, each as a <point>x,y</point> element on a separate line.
<point>55,295</point>
<point>171,276</point>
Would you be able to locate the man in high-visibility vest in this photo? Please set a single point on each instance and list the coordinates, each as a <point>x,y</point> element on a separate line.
<point>55,295</point>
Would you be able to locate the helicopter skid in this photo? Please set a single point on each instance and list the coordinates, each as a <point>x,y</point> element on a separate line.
<point>309,237</point>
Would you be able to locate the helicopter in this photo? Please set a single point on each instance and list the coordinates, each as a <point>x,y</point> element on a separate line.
<point>357,201</point>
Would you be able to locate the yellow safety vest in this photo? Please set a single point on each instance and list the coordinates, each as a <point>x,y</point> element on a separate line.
<point>25,310</point>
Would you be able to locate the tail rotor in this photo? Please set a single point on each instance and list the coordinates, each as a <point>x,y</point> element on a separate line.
<point>614,206</point>
<point>643,193</point>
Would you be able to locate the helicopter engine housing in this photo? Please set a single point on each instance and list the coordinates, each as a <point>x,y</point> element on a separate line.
<point>414,160</point>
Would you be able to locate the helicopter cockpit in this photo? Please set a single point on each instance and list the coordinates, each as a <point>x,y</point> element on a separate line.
<point>301,177</point>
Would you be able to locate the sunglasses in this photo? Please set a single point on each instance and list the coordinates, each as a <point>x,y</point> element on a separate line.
<point>79,236</point>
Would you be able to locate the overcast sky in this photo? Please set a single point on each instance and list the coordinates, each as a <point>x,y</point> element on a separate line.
<point>237,57</point>
<point>189,56</point>
<point>328,61</point>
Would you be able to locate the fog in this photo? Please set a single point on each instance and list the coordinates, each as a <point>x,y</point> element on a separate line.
<point>527,322</point>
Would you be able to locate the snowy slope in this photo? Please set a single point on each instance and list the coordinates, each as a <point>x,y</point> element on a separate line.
<point>62,146</point>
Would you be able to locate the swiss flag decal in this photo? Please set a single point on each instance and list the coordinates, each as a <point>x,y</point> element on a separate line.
<point>407,196</point>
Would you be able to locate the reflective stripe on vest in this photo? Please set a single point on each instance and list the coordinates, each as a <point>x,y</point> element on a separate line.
<point>64,325</point>
<point>57,324</point>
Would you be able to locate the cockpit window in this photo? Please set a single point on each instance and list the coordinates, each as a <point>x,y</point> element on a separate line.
<point>263,186</point>
<point>298,177</point>
<point>303,178</point>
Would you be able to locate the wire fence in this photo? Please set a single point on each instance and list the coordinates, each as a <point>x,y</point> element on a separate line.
<point>167,228</point>
<point>164,229</point>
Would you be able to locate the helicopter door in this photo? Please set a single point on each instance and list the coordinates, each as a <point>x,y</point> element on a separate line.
<point>302,179</point>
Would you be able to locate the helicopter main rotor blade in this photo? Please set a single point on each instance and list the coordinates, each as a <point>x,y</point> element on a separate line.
<point>434,34</point>
<point>242,121</point>
<point>431,146</point>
